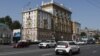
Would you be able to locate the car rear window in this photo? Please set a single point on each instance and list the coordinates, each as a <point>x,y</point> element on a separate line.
<point>72,43</point>
<point>61,43</point>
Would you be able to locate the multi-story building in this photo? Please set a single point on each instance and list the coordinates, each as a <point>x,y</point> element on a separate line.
<point>36,25</point>
<point>50,21</point>
<point>90,32</point>
<point>76,30</point>
<point>62,25</point>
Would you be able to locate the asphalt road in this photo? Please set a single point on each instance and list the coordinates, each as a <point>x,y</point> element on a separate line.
<point>86,50</point>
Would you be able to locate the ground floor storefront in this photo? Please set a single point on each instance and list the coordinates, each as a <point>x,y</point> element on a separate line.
<point>45,34</point>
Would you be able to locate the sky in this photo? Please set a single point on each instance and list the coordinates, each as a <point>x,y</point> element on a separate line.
<point>86,12</point>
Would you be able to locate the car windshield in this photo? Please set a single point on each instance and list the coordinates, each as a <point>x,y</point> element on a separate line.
<point>80,41</point>
<point>71,43</point>
<point>61,43</point>
<point>46,41</point>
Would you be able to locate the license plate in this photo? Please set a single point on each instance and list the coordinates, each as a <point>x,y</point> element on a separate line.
<point>60,51</point>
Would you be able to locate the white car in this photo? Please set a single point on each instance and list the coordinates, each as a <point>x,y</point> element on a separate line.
<point>47,44</point>
<point>66,47</point>
<point>81,42</point>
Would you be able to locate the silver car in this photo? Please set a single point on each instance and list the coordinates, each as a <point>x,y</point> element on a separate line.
<point>47,44</point>
<point>66,47</point>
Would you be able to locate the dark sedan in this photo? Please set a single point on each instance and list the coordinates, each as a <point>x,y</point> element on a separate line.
<point>21,45</point>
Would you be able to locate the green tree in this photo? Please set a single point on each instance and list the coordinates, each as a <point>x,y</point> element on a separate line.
<point>8,21</point>
<point>96,36</point>
<point>83,34</point>
<point>12,24</point>
<point>16,25</point>
<point>2,20</point>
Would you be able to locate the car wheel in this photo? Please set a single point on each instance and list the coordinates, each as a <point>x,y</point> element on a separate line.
<point>57,53</point>
<point>47,46</point>
<point>55,45</point>
<point>40,47</point>
<point>70,53</point>
<point>78,50</point>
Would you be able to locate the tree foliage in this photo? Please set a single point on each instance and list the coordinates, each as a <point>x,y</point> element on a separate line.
<point>83,34</point>
<point>2,20</point>
<point>96,36</point>
<point>12,24</point>
<point>16,25</point>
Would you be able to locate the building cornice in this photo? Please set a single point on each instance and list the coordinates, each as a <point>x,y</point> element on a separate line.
<point>56,4</point>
